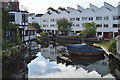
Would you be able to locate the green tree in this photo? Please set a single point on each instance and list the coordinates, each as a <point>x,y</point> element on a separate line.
<point>90,28</point>
<point>64,25</point>
<point>36,25</point>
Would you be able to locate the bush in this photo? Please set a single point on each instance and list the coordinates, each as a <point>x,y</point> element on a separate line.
<point>78,36</point>
<point>38,40</point>
<point>44,34</point>
<point>14,51</point>
<point>112,46</point>
<point>5,55</point>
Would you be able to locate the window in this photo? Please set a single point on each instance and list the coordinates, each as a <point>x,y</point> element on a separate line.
<point>99,33</point>
<point>24,18</point>
<point>90,18</point>
<point>52,20</point>
<point>98,18</point>
<point>11,17</point>
<point>99,25</point>
<point>32,17</point>
<point>45,25</point>
<point>77,19</point>
<point>72,19</point>
<point>77,25</point>
<point>52,25</point>
<point>45,20</point>
<point>115,25</point>
<point>116,17</point>
<point>105,25</point>
<point>106,18</point>
<point>84,18</point>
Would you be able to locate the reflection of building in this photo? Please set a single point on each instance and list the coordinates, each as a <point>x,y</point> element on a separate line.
<point>49,53</point>
<point>102,67</point>
<point>106,18</point>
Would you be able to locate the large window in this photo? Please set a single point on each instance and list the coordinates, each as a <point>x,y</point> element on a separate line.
<point>98,18</point>
<point>99,25</point>
<point>115,25</point>
<point>24,18</point>
<point>11,17</point>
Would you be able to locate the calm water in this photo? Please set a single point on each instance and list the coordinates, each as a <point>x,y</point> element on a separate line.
<point>46,64</point>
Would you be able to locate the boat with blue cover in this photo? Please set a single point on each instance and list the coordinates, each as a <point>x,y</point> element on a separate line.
<point>84,50</point>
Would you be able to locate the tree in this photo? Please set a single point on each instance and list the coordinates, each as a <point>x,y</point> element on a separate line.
<point>90,28</point>
<point>36,25</point>
<point>64,25</point>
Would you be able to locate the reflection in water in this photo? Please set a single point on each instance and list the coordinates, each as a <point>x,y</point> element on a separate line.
<point>47,64</point>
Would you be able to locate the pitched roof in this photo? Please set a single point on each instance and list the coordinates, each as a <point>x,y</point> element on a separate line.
<point>38,15</point>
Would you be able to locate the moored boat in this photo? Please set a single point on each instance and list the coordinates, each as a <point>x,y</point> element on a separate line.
<point>84,50</point>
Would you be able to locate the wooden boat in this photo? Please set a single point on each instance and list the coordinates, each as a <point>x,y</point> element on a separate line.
<point>84,50</point>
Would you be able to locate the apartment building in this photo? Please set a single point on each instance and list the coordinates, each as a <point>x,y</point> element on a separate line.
<point>19,17</point>
<point>106,18</point>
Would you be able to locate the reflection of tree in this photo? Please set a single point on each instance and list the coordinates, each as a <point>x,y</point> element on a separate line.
<point>17,68</point>
<point>113,70</point>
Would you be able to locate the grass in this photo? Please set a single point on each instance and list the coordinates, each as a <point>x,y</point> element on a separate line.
<point>106,45</point>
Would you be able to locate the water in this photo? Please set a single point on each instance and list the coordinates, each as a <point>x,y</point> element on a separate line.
<point>46,64</point>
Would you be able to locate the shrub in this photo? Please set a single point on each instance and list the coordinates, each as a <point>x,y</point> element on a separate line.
<point>44,34</point>
<point>5,55</point>
<point>78,36</point>
<point>38,40</point>
<point>112,46</point>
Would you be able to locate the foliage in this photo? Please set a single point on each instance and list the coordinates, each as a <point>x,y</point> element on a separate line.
<point>90,28</point>
<point>38,40</point>
<point>52,9</point>
<point>112,46</point>
<point>5,22</point>
<point>63,9</point>
<point>5,55</point>
<point>15,50</point>
<point>19,41</point>
<point>64,25</point>
<point>78,36</point>
<point>44,34</point>
<point>13,26</point>
<point>36,25</point>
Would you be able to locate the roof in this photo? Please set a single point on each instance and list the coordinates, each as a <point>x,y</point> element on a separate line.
<point>38,15</point>
<point>31,27</point>
<point>31,14</point>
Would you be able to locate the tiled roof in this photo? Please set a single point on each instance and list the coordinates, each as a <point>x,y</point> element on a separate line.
<point>31,27</point>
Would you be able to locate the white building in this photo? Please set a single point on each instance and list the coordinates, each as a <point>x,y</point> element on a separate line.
<point>106,18</point>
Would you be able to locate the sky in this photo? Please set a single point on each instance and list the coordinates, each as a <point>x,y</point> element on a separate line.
<point>41,6</point>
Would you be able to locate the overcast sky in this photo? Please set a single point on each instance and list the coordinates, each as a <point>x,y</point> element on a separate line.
<point>41,6</point>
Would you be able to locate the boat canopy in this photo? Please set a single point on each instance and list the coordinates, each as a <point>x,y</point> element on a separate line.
<point>84,48</point>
